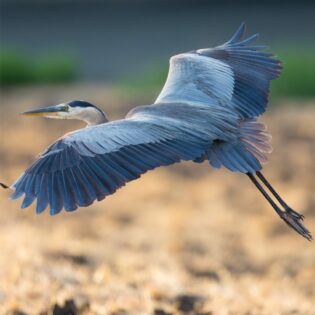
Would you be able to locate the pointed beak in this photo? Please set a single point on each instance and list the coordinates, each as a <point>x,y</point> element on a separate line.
<point>46,111</point>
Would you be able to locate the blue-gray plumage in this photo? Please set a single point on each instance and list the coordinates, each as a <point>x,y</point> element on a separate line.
<point>206,111</point>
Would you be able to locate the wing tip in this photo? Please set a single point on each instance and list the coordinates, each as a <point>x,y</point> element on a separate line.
<point>238,34</point>
<point>237,38</point>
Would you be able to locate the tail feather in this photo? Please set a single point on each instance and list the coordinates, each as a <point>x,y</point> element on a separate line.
<point>246,153</point>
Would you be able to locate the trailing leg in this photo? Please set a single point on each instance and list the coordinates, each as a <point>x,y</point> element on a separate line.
<point>281,201</point>
<point>289,218</point>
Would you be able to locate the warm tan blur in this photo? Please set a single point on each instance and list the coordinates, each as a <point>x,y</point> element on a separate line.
<point>181,238</point>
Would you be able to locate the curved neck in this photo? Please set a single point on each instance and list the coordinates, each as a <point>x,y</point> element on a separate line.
<point>100,119</point>
<point>93,117</point>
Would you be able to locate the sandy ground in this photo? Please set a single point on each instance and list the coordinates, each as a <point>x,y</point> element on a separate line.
<point>181,240</point>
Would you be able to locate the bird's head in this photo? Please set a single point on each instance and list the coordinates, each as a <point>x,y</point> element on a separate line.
<point>81,110</point>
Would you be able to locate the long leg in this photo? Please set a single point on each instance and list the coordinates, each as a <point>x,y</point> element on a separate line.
<point>289,219</point>
<point>277,196</point>
<point>264,193</point>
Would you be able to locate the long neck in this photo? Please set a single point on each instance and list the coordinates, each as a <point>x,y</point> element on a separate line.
<point>94,117</point>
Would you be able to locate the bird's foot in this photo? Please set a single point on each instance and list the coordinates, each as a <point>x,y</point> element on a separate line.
<point>288,215</point>
<point>294,213</point>
<point>293,219</point>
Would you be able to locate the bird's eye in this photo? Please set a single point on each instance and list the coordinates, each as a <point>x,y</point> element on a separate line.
<point>66,108</point>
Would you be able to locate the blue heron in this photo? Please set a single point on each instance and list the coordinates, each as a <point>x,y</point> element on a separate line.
<point>206,111</point>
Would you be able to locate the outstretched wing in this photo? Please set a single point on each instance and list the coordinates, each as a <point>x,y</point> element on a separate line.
<point>235,74</point>
<point>94,162</point>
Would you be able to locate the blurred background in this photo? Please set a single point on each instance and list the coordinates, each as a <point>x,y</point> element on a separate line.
<point>185,239</point>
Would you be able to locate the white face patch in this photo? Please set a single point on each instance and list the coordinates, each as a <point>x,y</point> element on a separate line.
<point>91,115</point>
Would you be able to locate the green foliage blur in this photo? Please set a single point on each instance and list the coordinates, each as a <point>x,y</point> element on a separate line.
<point>18,68</point>
<point>298,75</point>
<point>297,79</point>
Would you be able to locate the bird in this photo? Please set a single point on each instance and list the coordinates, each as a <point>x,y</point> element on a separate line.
<point>207,111</point>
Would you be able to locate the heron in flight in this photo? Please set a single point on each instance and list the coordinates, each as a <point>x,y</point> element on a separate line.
<point>206,112</point>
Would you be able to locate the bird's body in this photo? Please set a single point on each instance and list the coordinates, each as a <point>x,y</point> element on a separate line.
<point>207,111</point>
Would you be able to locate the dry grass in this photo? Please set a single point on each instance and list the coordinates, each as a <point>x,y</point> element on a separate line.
<point>186,239</point>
